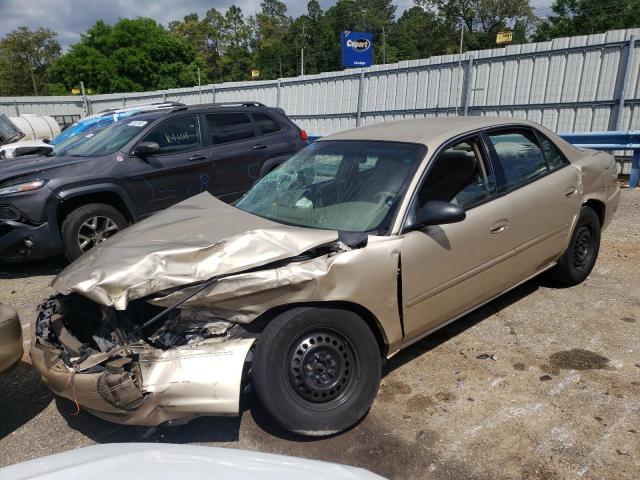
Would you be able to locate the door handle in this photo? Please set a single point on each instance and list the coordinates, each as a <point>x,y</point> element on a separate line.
<point>197,158</point>
<point>571,191</point>
<point>499,226</point>
<point>260,146</point>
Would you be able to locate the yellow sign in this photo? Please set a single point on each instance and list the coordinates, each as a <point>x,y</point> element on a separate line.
<point>75,91</point>
<point>255,73</point>
<point>504,37</point>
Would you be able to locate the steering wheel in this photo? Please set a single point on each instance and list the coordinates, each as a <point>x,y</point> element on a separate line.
<point>382,196</point>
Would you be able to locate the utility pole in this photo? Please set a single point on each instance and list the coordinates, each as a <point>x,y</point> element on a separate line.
<point>302,53</point>
<point>460,67</point>
<point>199,88</point>
<point>384,50</point>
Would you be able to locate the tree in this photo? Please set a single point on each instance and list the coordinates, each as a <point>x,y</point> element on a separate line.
<point>272,55</point>
<point>25,57</point>
<point>132,55</point>
<point>583,17</point>
<point>419,33</point>
<point>481,20</point>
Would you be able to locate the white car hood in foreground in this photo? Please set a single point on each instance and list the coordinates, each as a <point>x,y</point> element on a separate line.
<point>160,461</point>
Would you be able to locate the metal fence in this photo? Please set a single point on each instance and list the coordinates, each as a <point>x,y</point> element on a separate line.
<point>574,84</point>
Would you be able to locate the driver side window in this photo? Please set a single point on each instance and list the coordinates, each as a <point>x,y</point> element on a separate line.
<point>459,175</point>
<point>175,135</point>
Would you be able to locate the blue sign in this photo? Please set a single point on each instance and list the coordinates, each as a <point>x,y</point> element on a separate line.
<point>357,49</point>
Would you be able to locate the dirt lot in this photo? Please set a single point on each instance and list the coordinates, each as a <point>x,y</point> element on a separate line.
<point>542,383</point>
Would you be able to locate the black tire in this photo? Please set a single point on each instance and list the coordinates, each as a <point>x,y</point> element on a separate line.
<point>343,362</point>
<point>74,226</point>
<point>576,263</point>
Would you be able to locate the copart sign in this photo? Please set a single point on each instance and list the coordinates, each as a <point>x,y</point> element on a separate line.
<point>357,49</point>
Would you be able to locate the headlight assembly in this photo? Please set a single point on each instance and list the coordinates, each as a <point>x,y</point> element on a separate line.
<point>23,187</point>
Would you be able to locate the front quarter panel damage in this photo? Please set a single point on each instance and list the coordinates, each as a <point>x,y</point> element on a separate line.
<point>138,384</point>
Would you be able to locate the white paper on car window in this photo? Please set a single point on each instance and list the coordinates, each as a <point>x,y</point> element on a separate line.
<point>138,123</point>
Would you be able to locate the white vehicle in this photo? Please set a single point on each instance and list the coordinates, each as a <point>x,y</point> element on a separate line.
<point>160,461</point>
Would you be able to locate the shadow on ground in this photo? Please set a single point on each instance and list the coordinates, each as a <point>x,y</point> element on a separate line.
<point>51,266</point>
<point>22,397</point>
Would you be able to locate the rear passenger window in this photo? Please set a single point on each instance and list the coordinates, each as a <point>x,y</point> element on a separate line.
<point>178,134</point>
<point>265,124</point>
<point>520,156</point>
<point>229,127</point>
<point>555,159</point>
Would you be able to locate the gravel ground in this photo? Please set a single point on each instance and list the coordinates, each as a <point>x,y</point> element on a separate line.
<point>541,383</point>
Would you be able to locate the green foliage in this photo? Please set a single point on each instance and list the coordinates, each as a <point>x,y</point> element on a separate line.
<point>583,17</point>
<point>132,55</point>
<point>140,54</point>
<point>25,58</point>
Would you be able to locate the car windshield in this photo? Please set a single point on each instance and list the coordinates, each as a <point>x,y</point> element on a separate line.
<point>349,186</point>
<point>63,147</point>
<point>109,140</point>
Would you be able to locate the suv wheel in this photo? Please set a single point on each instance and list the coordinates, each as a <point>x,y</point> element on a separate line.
<point>576,263</point>
<point>316,370</point>
<point>89,225</point>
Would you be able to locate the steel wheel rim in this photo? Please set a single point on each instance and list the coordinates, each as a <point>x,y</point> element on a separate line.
<point>94,231</point>
<point>321,367</point>
<point>583,248</point>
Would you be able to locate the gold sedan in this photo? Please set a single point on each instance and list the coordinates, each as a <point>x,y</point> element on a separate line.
<point>355,248</point>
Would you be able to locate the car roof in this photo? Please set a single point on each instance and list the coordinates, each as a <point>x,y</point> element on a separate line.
<point>431,132</point>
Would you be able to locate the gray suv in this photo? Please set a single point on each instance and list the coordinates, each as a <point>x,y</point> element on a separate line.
<point>70,202</point>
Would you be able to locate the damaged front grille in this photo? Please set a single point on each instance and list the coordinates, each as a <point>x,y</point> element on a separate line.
<point>82,327</point>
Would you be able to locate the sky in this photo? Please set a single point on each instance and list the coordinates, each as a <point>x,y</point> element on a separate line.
<point>70,18</point>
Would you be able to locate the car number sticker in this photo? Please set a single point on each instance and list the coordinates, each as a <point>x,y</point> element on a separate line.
<point>137,123</point>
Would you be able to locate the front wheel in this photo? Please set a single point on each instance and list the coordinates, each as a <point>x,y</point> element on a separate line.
<point>576,263</point>
<point>89,225</point>
<point>316,370</point>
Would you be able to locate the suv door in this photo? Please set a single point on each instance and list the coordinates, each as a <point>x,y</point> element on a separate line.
<point>178,171</point>
<point>542,189</point>
<point>237,154</point>
<point>449,269</point>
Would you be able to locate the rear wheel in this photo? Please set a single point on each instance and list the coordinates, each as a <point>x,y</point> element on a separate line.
<point>88,226</point>
<point>316,370</point>
<point>578,260</point>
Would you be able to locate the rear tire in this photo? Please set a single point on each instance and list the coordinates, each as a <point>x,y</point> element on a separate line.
<point>576,263</point>
<point>92,223</point>
<point>316,370</point>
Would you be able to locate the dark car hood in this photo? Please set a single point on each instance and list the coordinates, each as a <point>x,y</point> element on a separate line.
<point>16,167</point>
<point>190,242</point>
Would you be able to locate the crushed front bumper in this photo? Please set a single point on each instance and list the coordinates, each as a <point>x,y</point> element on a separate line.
<point>174,385</point>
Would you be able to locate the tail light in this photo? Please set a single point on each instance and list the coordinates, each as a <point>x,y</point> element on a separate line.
<point>303,135</point>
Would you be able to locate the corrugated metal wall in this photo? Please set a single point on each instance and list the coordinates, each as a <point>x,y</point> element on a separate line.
<point>567,84</point>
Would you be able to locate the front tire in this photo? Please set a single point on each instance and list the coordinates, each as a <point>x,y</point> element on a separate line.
<point>316,370</point>
<point>89,225</point>
<point>576,263</point>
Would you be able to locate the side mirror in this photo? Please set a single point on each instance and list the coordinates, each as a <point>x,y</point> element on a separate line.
<point>436,212</point>
<point>144,149</point>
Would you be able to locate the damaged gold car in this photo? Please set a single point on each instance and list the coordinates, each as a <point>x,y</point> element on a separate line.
<point>358,246</point>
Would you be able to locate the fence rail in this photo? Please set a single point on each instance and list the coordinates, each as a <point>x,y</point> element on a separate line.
<point>575,84</point>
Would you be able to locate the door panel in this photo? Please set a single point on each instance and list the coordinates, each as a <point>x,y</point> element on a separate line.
<point>448,269</point>
<point>543,214</point>
<point>238,155</point>
<point>180,170</point>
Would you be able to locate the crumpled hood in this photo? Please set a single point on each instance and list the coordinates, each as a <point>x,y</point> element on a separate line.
<point>192,241</point>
